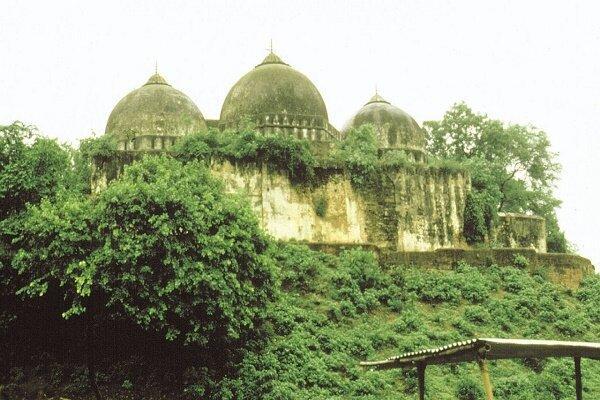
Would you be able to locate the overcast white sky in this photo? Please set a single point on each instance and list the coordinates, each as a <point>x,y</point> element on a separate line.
<point>65,64</point>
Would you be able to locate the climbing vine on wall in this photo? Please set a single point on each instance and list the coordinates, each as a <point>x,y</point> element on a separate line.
<point>359,154</point>
<point>284,152</point>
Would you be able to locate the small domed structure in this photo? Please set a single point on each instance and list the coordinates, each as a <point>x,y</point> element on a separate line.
<point>278,99</point>
<point>153,116</point>
<point>395,129</point>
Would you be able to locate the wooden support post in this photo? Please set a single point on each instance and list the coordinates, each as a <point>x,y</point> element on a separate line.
<point>485,375</point>
<point>578,386</point>
<point>421,376</point>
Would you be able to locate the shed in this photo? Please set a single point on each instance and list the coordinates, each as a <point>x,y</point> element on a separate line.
<point>484,349</point>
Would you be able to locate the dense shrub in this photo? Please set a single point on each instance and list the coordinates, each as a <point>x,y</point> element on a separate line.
<point>479,217</point>
<point>589,295</point>
<point>334,311</point>
<point>359,282</point>
<point>468,389</point>
<point>32,168</point>
<point>163,247</point>
<point>358,154</point>
<point>284,152</point>
<point>300,268</point>
<point>328,331</point>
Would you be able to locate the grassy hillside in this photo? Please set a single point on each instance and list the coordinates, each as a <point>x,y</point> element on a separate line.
<point>331,313</point>
<point>336,311</point>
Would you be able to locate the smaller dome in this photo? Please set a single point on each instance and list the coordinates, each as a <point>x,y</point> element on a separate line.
<point>154,111</point>
<point>395,129</point>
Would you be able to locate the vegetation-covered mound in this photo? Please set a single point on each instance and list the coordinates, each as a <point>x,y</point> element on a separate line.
<point>333,311</point>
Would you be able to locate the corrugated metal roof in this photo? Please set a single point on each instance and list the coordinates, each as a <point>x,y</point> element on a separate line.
<point>490,349</point>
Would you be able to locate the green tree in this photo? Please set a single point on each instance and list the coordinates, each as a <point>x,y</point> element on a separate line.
<point>512,166</point>
<point>32,167</point>
<point>163,247</point>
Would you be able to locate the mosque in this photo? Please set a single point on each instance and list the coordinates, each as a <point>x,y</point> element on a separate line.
<point>418,209</point>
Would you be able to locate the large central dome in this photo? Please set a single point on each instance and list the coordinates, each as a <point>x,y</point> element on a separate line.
<point>277,98</point>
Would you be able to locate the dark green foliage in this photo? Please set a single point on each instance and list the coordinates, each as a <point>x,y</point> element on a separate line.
<point>589,295</point>
<point>93,150</point>
<point>359,282</point>
<point>284,152</point>
<point>475,228</point>
<point>520,261</point>
<point>300,267</point>
<point>556,242</point>
<point>320,204</point>
<point>163,247</point>
<point>101,149</point>
<point>392,159</point>
<point>31,168</point>
<point>358,154</point>
<point>337,310</point>
<point>318,336</point>
<point>465,283</point>
<point>469,389</point>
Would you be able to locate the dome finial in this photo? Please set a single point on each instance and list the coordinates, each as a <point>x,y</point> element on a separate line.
<point>377,98</point>
<point>271,58</point>
<point>156,79</point>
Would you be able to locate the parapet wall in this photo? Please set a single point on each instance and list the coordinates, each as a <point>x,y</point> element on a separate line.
<point>565,269</point>
<point>409,209</point>
<point>520,231</point>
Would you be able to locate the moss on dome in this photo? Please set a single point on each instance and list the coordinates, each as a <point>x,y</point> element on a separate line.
<point>273,88</point>
<point>157,109</point>
<point>394,127</point>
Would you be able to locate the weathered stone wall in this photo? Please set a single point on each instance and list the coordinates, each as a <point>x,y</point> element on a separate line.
<point>520,231</point>
<point>565,269</point>
<point>409,209</point>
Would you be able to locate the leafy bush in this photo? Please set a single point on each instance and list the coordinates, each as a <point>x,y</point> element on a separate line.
<point>284,152</point>
<point>477,314</point>
<point>359,281</point>
<point>520,261</point>
<point>515,388</point>
<point>468,389</point>
<point>589,295</point>
<point>162,247</point>
<point>99,149</point>
<point>32,168</point>
<point>334,311</point>
<point>479,217</point>
<point>358,153</point>
<point>300,268</point>
<point>320,205</point>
